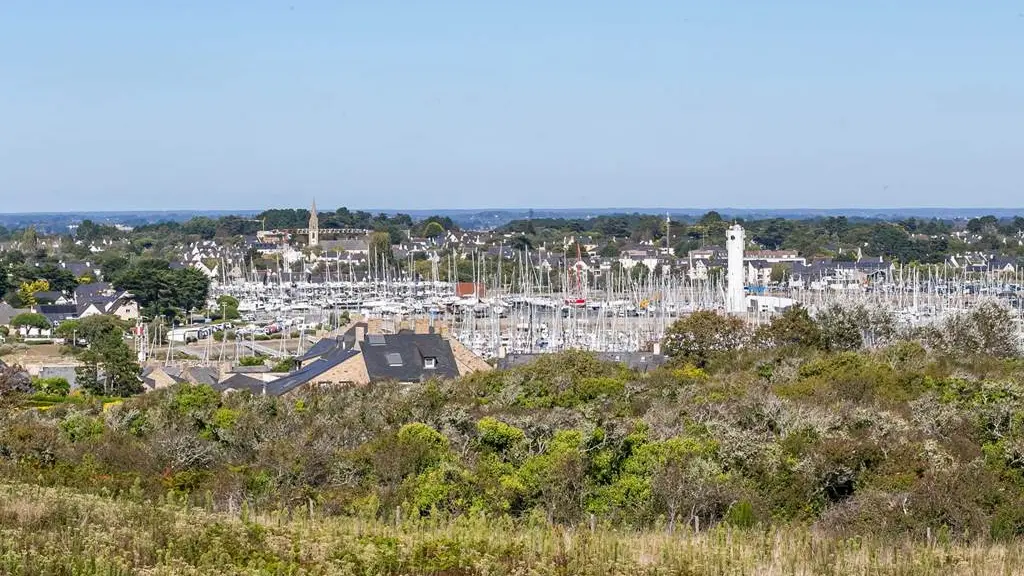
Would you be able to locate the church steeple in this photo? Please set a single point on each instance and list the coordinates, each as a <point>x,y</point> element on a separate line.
<point>314,226</point>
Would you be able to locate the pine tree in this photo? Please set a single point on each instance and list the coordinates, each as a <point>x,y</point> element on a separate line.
<point>109,368</point>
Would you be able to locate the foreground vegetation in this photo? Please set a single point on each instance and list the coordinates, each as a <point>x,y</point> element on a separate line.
<point>56,531</point>
<point>807,443</point>
<point>790,425</point>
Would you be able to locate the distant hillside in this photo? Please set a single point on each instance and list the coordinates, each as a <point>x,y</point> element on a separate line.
<point>57,222</point>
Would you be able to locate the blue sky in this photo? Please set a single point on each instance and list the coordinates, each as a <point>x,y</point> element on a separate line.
<point>108,105</point>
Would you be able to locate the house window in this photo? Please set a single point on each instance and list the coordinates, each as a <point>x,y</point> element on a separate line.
<point>394,359</point>
<point>376,339</point>
<point>429,362</point>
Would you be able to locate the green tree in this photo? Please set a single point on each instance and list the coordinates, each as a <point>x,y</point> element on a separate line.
<point>889,240</point>
<point>227,307</point>
<point>57,278</point>
<point>192,287</point>
<point>521,243</point>
<point>227,300</point>
<point>108,367</point>
<point>703,335</point>
<point>162,291</point>
<point>111,264</point>
<point>380,247</point>
<point>710,218</point>
<point>396,235</point>
<point>686,479</point>
<point>149,280</point>
<point>841,328</point>
<point>422,445</point>
<point>779,272</point>
<point>91,328</point>
<point>30,320</point>
<point>30,237</point>
<point>849,327</point>
<point>433,230</point>
<point>987,329</point>
<point>5,280</point>
<point>982,224</point>
<point>609,250</point>
<point>87,373</point>
<point>794,327</point>
<point>202,226</point>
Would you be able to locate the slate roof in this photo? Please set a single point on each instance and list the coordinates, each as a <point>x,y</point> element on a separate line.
<point>261,369</point>
<point>101,294</point>
<point>150,382</point>
<point>827,267</point>
<point>759,264</point>
<point>865,265</point>
<point>346,244</point>
<point>58,312</point>
<point>412,348</point>
<point>1003,261</point>
<point>102,304</point>
<point>321,347</point>
<point>7,312</point>
<point>200,375</point>
<point>89,292</point>
<point>49,296</point>
<point>240,382</point>
<point>308,372</point>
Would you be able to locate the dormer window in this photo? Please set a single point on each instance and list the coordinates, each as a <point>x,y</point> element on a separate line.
<point>429,362</point>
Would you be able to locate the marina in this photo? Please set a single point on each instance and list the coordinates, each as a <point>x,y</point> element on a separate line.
<point>607,313</point>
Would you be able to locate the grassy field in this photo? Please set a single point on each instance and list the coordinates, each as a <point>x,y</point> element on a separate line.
<point>57,531</point>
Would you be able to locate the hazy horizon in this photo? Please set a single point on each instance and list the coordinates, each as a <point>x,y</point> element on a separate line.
<point>1011,210</point>
<point>118,105</point>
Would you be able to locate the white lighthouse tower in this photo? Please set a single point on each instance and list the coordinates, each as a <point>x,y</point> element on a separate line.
<point>735,298</point>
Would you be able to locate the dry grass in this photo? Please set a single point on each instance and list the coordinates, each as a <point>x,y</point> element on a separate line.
<point>54,531</point>
<point>38,354</point>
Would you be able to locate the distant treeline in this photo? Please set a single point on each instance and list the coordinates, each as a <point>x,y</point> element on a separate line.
<point>907,240</point>
<point>274,219</point>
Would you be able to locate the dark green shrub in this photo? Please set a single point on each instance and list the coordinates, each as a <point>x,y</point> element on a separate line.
<point>54,386</point>
<point>741,515</point>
